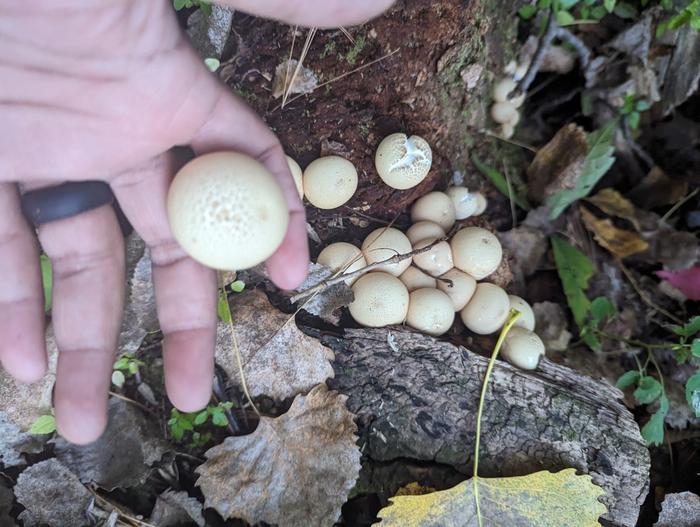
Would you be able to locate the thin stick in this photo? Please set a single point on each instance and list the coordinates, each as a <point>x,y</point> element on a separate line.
<point>325,284</point>
<point>289,60</point>
<point>584,54</point>
<point>120,512</point>
<point>347,35</point>
<point>678,205</point>
<point>511,141</point>
<point>305,50</point>
<point>645,298</point>
<point>135,403</point>
<point>537,58</point>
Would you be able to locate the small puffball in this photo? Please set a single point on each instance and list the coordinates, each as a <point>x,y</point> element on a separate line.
<point>514,122</point>
<point>459,286</point>
<point>487,310</point>
<point>436,261</point>
<point>227,211</point>
<point>403,162</point>
<point>504,112</point>
<point>436,207</point>
<point>330,182</point>
<point>384,243</point>
<point>502,89</point>
<point>430,311</point>
<point>380,300</point>
<point>298,176</point>
<point>465,202</point>
<point>507,131</point>
<point>342,256</point>
<point>424,229</point>
<point>413,278</point>
<point>481,204</point>
<point>476,251</point>
<point>526,319</point>
<point>523,348</point>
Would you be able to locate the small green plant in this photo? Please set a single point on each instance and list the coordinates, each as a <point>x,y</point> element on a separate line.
<point>180,423</point>
<point>632,109</point>
<point>47,281</point>
<point>222,308</point>
<point>569,12</point>
<point>44,425</point>
<point>688,15</point>
<point>328,49</point>
<point>125,366</point>
<point>186,4</point>
<point>351,56</point>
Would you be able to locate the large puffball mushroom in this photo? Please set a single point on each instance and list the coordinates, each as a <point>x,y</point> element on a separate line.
<point>459,286</point>
<point>330,182</point>
<point>505,112</point>
<point>298,176</point>
<point>523,348</point>
<point>466,203</point>
<point>487,310</point>
<point>381,300</point>
<point>342,256</point>
<point>424,229</point>
<point>503,88</point>
<point>403,162</point>
<point>436,207</point>
<point>227,211</point>
<point>526,319</point>
<point>430,311</point>
<point>384,243</point>
<point>436,261</point>
<point>476,251</point>
<point>413,278</point>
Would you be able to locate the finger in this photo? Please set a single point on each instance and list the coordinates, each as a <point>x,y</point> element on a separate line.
<point>232,125</point>
<point>185,290</point>
<point>22,345</point>
<point>87,254</point>
<point>313,13</point>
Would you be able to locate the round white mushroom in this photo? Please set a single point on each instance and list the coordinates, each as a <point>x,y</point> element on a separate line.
<point>476,251</point>
<point>487,310</point>
<point>459,286</point>
<point>298,176</point>
<point>527,315</point>
<point>504,112</point>
<point>436,261</point>
<point>380,300</point>
<point>413,278</point>
<point>466,203</point>
<point>424,229</point>
<point>503,88</point>
<point>436,207</point>
<point>430,311</point>
<point>481,204</point>
<point>330,182</point>
<point>227,211</point>
<point>403,162</point>
<point>523,348</point>
<point>384,243</point>
<point>343,256</point>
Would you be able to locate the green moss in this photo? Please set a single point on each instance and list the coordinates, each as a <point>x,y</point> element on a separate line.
<point>351,56</point>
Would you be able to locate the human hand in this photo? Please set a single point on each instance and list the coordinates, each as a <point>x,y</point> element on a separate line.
<point>97,89</point>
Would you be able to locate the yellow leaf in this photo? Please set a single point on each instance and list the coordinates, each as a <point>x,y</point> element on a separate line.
<point>542,499</point>
<point>613,203</point>
<point>619,242</point>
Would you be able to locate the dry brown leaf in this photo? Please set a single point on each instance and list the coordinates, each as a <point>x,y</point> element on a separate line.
<point>305,80</point>
<point>278,360</point>
<point>619,242</point>
<point>657,190</point>
<point>613,203</point>
<point>295,470</point>
<point>328,302</point>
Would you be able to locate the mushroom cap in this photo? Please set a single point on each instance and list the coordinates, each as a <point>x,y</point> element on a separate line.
<point>424,229</point>
<point>527,317</point>
<point>227,211</point>
<point>381,300</point>
<point>436,261</point>
<point>344,256</point>
<point>504,112</point>
<point>487,310</point>
<point>298,176</point>
<point>465,202</point>
<point>413,278</point>
<point>481,204</point>
<point>330,182</point>
<point>384,243</point>
<point>523,348</point>
<point>403,162</point>
<point>476,251</point>
<point>501,90</point>
<point>507,130</point>
<point>461,290</point>
<point>436,207</point>
<point>430,311</point>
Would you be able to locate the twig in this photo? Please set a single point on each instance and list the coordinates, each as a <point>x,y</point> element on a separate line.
<point>325,284</point>
<point>511,141</point>
<point>135,403</point>
<point>537,58</point>
<point>305,50</point>
<point>678,205</point>
<point>645,298</point>
<point>584,54</point>
<point>347,35</point>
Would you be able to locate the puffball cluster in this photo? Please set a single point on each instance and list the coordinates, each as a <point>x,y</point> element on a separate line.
<point>506,110</point>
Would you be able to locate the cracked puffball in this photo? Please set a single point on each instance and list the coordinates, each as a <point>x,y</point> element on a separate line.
<point>424,229</point>
<point>382,244</point>
<point>476,251</point>
<point>330,182</point>
<point>487,310</point>
<point>430,311</point>
<point>227,211</point>
<point>403,162</point>
<point>459,286</point>
<point>437,261</point>
<point>436,207</point>
<point>526,319</point>
<point>381,300</point>
<point>466,203</point>
<point>298,176</point>
<point>413,278</point>
<point>343,257</point>
<point>523,348</point>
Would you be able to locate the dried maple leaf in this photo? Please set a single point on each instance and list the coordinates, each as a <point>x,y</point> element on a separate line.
<point>619,242</point>
<point>278,360</point>
<point>294,470</point>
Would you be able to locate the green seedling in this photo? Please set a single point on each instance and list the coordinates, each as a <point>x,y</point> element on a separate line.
<point>125,366</point>
<point>181,423</point>
<point>186,4</point>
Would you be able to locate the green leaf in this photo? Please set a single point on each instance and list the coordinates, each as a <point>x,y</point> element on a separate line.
<point>629,378</point>
<point>47,281</point>
<point>628,104</point>
<point>567,4</point>
<point>177,431</point>
<point>133,367</point>
<point>653,431</point>
<point>564,18</point>
<point>625,10</point>
<point>575,270</point>
<point>692,393</point>
<point>682,355</point>
<point>201,418</point>
<point>527,11</point>
<point>585,12</point>
<point>227,405</point>
<point>121,364</point>
<point>179,4</point>
<point>602,309</point>
<point>223,309</point>
<point>44,425</point>
<point>648,390</point>
<point>544,4</point>
<point>695,348</point>
<point>238,286</point>
<point>598,161</point>
<point>591,339</point>
<point>186,424</point>
<point>219,419</point>
<point>633,120</point>
<point>598,12</point>
<point>212,63</point>
<point>609,5</point>
<point>695,23</point>
<point>118,378</point>
<point>642,106</point>
<point>689,329</point>
<point>500,183</point>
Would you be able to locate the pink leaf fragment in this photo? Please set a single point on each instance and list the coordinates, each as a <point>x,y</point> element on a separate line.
<point>685,280</point>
